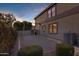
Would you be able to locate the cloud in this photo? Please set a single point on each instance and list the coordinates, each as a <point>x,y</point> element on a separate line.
<point>19,19</point>
<point>22,19</point>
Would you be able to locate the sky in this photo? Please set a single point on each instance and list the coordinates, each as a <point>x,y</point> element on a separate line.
<point>23,11</point>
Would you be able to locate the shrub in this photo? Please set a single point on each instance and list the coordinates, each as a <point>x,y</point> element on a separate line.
<point>7,38</point>
<point>31,51</point>
<point>64,50</point>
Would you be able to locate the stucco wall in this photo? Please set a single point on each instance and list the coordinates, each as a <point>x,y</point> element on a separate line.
<point>62,7</point>
<point>65,25</point>
<point>42,17</point>
<point>69,24</point>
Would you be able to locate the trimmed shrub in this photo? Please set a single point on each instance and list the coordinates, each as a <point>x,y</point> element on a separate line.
<point>31,51</point>
<point>64,50</point>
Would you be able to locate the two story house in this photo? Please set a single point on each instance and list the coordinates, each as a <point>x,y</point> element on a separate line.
<point>60,21</point>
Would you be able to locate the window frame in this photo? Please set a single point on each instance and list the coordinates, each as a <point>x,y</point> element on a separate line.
<point>51,13</point>
<point>49,28</point>
<point>52,28</point>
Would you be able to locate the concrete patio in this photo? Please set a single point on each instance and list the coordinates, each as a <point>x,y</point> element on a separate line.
<point>26,39</point>
<point>48,44</point>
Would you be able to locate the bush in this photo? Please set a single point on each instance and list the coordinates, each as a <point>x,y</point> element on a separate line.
<point>64,50</point>
<point>31,51</point>
<point>7,38</point>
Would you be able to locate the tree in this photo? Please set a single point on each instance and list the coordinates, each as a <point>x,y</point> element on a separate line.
<point>18,25</point>
<point>23,25</point>
<point>7,38</point>
<point>7,33</point>
<point>27,25</point>
<point>7,18</point>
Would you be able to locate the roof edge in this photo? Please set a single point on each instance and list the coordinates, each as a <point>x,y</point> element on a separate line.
<point>52,4</point>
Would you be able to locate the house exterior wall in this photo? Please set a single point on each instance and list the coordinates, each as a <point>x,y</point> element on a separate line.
<point>63,7</point>
<point>40,20</point>
<point>69,24</point>
<point>66,24</point>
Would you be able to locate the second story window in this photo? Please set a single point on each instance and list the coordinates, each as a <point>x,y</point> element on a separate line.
<point>53,11</point>
<point>49,13</point>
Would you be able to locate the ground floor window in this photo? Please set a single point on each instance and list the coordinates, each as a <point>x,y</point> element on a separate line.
<point>53,28</point>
